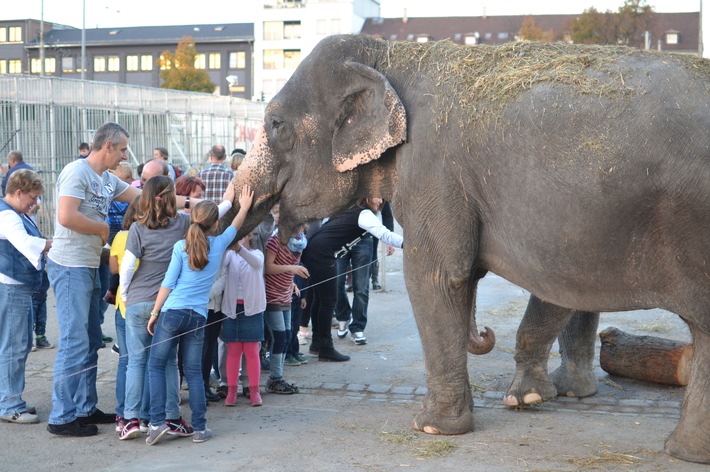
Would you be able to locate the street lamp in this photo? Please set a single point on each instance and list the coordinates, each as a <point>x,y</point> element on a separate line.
<point>83,41</point>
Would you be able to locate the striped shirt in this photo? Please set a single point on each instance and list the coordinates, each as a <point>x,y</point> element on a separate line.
<point>279,287</point>
<point>216,178</point>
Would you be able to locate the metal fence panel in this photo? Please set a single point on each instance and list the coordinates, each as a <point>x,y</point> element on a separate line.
<point>46,118</point>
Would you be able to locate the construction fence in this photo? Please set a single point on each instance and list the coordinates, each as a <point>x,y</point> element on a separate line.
<point>46,118</point>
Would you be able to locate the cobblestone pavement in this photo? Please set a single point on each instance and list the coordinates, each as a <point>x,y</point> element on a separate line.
<point>357,415</point>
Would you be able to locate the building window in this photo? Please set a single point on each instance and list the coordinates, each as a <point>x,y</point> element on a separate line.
<point>292,58</point>
<point>276,30</point>
<point>422,39</point>
<point>214,60</point>
<point>672,38</point>
<point>131,63</point>
<point>273,30</point>
<point>292,30</point>
<point>3,66</point>
<point>237,60</point>
<point>99,64</point>
<point>67,64</point>
<point>273,59</point>
<point>50,66</point>
<point>200,61</point>
<point>15,34</point>
<point>114,63</point>
<point>3,35</point>
<point>146,62</point>
<point>164,63</point>
<point>503,35</point>
<point>321,27</point>
<point>14,66</point>
<point>335,26</point>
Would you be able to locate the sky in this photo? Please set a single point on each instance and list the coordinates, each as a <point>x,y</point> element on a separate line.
<point>105,14</point>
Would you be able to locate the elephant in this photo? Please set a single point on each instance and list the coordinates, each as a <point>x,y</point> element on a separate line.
<point>579,173</point>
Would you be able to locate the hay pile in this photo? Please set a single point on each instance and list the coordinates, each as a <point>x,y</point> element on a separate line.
<point>483,79</point>
<point>480,81</point>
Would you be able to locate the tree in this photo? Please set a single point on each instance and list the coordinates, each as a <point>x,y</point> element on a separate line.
<point>178,70</point>
<point>626,26</point>
<point>530,31</point>
<point>592,27</point>
<point>633,19</point>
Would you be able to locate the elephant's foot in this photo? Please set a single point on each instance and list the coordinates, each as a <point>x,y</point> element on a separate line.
<point>529,388</point>
<point>431,421</point>
<point>689,444</point>
<point>571,381</point>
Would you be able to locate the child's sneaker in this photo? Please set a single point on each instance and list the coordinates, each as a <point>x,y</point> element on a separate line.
<point>145,425</point>
<point>42,343</point>
<point>179,427</point>
<point>110,297</point>
<point>301,358</point>
<point>130,430</point>
<point>156,433</point>
<point>120,423</point>
<point>202,436</point>
<point>280,386</point>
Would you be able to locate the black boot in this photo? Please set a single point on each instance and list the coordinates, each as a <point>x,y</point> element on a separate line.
<point>375,277</point>
<point>329,354</point>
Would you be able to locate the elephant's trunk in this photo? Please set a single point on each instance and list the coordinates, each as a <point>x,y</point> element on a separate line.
<point>480,343</point>
<point>258,170</point>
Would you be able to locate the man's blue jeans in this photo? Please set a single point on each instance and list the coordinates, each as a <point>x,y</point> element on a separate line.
<point>77,292</point>
<point>188,327</point>
<point>360,259</point>
<point>15,344</point>
<point>138,341</point>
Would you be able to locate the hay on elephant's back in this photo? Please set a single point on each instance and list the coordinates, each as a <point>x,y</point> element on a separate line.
<point>486,78</point>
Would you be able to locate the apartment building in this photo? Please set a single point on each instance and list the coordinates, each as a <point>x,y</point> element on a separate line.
<point>129,55</point>
<point>288,30</point>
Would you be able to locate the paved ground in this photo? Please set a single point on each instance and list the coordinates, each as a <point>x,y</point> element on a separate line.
<point>357,415</point>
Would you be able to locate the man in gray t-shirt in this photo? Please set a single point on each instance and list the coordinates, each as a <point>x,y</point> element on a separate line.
<point>84,191</point>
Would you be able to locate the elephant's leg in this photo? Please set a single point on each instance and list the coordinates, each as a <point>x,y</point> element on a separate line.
<point>691,439</point>
<point>538,330</point>
<point>575,376</point>
<point>442,307</point>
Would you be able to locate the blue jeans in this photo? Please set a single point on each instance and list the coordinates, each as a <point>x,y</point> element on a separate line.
<point>76,290</point>
<point>39,306</point>
<point>188,327</point>
<point>138,341</point>
<point>279,324</point>
<point>122,363</point>
<point>360,258</point>
<point>15,344</point>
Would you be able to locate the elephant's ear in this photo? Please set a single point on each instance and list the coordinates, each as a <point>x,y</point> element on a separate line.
<point>372,118</point>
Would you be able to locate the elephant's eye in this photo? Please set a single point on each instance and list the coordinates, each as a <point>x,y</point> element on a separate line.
<point>276,123</point>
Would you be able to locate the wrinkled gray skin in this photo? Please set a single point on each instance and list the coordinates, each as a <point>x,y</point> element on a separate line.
<point>591,201</point>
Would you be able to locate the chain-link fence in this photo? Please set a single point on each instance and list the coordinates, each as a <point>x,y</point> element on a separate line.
<point>46,118</point>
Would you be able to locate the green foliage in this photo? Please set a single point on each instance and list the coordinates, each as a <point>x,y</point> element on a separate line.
<point>624,27</point>
<point>178,70</point>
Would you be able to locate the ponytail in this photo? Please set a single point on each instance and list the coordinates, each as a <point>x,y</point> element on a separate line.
<point>203,218</point>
